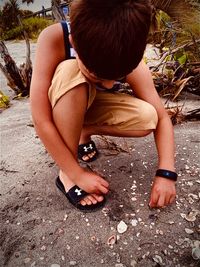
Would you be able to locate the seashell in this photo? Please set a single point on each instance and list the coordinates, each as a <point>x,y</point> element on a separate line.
<point>191,200</point>
<point>134,199</point>
<point>193,196</point>
<point>72,263</point>
<point>133,263</point>
<point>158,259</point>
<point>189,231</point>
<point>179,242</point>
<point>183,215</point>
<point>122,227</point>
<point>134,222</point>
<point>197,243</point>
<point>191,216</point>
<point>196,253</point>
<point>112,240</point>
<point>146,255</point>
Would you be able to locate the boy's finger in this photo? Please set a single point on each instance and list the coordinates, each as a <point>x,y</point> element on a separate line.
<point>161,201</point>
<point>153,200</point>
<point>167,200</point>
<point>172,198</point>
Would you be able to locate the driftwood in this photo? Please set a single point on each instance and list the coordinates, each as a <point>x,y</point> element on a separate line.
<point>57,11</point>
<point>11,71</point>
<point>18,78</point>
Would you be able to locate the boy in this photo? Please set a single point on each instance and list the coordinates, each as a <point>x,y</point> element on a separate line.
<point>109,38</point>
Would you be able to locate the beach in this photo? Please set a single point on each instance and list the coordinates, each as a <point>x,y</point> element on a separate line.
<point>40,228</point>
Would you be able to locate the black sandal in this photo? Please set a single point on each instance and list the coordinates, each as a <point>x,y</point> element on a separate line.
<point>75,195</point>
<point>85,149</point>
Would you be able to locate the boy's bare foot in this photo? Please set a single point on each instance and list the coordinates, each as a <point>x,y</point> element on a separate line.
<point>88,200</point>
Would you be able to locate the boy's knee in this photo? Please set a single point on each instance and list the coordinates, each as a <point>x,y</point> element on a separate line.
<point>148,117</point>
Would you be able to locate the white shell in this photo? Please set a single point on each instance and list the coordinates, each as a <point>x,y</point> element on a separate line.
<point>133,263</point>
<point>191,217</point>
<point>122,227</point>
<point>112,240</point>
<point>196,253</point>
<point>189,231</point>
<point>158,259</point>
<point>134,222</point>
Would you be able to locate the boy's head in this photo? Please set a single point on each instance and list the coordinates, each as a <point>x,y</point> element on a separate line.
<point>110,36</point>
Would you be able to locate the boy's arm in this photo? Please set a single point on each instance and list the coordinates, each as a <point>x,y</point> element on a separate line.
<point>163,190</point>
<point>50,52</point>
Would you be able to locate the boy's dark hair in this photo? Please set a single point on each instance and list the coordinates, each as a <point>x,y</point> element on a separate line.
<point>110,35</point>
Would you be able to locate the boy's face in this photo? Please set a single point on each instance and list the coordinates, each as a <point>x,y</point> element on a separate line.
<point>103,83</point>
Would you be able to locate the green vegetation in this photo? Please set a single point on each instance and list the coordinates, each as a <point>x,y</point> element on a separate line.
<point>33,26</point>
<point>4,100</point>
<point>10,26</point>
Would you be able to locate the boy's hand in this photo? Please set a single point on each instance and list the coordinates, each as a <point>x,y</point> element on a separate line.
<point>92,183</point>
<point>163,192</point>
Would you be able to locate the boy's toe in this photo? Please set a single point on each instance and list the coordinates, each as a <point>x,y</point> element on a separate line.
<point>86,158</point>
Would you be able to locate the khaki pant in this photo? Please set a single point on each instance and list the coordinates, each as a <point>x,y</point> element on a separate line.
<point>104,108</point>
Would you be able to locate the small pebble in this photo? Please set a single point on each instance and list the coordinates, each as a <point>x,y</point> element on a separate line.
<point>17,254</point>
<point>27,260</point>
<point>72,263</point>
<point>119,265</point>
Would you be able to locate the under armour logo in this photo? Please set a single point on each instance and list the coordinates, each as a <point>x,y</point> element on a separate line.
<point>78,192</point>
<point>90,147</point>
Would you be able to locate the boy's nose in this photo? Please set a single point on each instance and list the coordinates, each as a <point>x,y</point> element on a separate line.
<point>108,84</point>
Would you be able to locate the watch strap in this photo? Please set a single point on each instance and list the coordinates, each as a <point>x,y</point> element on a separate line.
<point>167,174</point>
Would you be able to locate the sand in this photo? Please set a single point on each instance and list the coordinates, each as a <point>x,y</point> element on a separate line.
<point>39,227</point>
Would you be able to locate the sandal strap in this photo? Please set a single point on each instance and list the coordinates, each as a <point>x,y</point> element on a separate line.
<point>86,148</point>
<point>76,194</point>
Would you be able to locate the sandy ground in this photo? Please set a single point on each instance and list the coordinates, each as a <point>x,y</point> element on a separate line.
<point>38,227</point>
